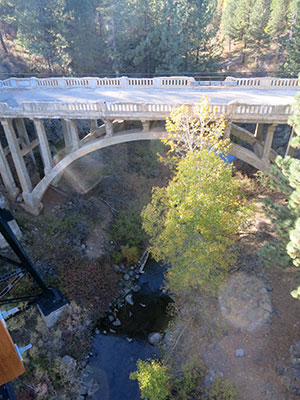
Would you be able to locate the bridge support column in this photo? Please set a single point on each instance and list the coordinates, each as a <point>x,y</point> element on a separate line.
<point>268,142</point>
<point>22,132</point>
<point>259,131</point>
<point>70,134</point>
<point>7,176</point>
<point>32,205</point>
<point>146,125</point>
<point>227,130</point>
<point>109,128</point>
<point>290,150</point>
<point>17,157</point>
<point>93,125</point>
<point>44,145</point>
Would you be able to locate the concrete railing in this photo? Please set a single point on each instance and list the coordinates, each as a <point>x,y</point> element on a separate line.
<point>123,82</point>
<point>139,111</point>
<point>160,82</point>
<point>265,82</point>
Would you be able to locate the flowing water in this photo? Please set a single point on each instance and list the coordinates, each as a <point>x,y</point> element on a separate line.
<point>116,354</point>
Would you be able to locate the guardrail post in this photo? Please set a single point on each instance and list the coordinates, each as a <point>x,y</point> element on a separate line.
<point>33,82</point>
<point>156,82</point>
<point>61,82</point>
<point>13,82</point>
<point>92,83</point>
<point>124,81</point>
<point>266,81</point>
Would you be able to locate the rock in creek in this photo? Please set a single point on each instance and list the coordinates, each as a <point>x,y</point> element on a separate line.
<point>117,322</point>
<point>155,338</point>
<point>129,299</point>
<point>126,277</point>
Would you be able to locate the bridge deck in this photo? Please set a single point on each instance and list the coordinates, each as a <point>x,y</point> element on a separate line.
<point>15,97</point>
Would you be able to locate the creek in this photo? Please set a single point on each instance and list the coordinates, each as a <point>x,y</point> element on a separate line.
<point>115,354</point>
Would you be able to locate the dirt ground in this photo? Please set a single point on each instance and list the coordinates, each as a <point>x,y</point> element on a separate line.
<point>264,330</point>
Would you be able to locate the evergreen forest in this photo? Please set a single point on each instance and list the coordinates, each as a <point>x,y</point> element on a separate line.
<point>151,37</point>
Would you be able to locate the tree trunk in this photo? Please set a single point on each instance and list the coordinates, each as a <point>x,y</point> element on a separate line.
<point>244,53</point>
<point>3,44</point>
<point>186,62</point>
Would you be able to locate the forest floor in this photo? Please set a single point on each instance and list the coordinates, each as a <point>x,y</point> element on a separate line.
<point>253,312</point>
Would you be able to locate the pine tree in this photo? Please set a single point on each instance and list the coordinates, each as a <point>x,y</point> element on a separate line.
<point>7,21</point>
<point>258,22</point>
<point>277,24</point>
<point>236,21</point>
<point>41,29</point>
<point>292,61</point>
<point>257,34</point>
<point>286,178</point>
<point>83,42</point>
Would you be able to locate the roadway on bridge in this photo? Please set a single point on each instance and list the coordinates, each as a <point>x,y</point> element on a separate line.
<point>14,97</point>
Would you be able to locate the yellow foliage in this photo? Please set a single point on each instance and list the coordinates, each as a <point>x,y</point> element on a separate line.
<point>153,380</point>
<point>195,127</point>
<point>192,223</point>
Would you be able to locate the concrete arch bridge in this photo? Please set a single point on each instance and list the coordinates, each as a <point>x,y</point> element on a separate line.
<point>265,102</point>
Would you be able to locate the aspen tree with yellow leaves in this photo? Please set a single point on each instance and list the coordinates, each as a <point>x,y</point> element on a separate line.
<point>193,222</point>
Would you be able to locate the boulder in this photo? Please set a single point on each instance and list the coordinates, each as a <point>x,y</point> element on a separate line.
<point>136,288</point>
<point>155,338</point>
<point>126,277</point>
<point>116,268</point>
<point>169,339</point>
<point>129,299</point>
<point>69,362</point>
<point>240,353</point>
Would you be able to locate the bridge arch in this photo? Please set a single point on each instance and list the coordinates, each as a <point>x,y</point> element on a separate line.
<point>33,200</point>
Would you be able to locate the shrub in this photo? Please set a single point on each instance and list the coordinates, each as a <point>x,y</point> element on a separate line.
<point>190,385</point>
<point>127,228</point>
<point>46,376</point>
<point>223,389</point>
<point>130,254</point>
<point>153,380</point>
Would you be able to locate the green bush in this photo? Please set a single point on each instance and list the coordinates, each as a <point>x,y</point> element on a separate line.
<point>153,380</point>
<point>127,228</point>
<point>223,389</point>
<point>190,385</point>
<point>130,255</point>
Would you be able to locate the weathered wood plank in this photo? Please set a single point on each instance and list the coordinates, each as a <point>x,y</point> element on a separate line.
<point>10,364</point>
